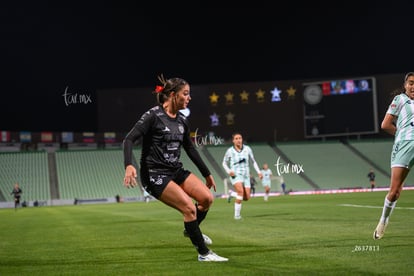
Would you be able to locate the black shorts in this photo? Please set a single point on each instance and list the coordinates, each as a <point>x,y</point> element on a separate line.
<point>154,181</point>
<point>17,199</point>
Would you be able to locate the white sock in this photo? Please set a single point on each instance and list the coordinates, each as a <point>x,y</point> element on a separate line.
<point>233,194</point>
<point>237,209</point>
<point>387,210</point>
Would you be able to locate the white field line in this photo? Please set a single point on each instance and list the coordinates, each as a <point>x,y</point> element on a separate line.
<point>377,207</point>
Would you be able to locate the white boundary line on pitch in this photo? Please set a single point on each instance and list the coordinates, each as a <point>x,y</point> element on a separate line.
<point>368,206</point>
<point>320,192</point>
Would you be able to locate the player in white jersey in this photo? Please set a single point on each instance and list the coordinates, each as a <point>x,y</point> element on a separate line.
<point>266,180</point>
<point>398,121</point>
<point>236,163</point>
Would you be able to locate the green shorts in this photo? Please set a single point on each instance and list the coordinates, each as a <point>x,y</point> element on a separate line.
<point>402,154</point>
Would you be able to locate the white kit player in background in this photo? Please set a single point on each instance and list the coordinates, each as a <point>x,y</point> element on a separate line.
<point>266,180</point>
<point>236,163</point>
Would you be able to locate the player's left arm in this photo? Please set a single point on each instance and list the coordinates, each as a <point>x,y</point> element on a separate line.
<point>255,166</point>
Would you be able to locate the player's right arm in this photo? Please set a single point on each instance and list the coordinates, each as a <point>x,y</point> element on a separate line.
<point>226,161</point>
<point>139,130</point>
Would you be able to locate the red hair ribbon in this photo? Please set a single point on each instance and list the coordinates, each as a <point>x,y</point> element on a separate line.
<point>159,89</point>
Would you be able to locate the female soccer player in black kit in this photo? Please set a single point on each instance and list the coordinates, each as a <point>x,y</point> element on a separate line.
<point>17,192</point>
<point>164,130</point>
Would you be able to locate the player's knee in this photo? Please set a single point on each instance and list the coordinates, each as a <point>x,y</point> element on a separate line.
<point>189,211</point>
<point>205,202</point>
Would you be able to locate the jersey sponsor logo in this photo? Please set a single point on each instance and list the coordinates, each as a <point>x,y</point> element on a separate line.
<point>173,146</point>
<point>157,181</point>
<point>241,161</point>
<point>173,137</point>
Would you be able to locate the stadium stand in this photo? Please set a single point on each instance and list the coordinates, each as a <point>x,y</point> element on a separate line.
<point>331,164</point>
<point>30,170</point>
<point>378,152</point>
<point>292,175</point>
<point>98,173</point>
<point>90,174</point>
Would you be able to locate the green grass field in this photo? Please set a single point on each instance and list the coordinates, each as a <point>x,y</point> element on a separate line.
<point>288,235</point>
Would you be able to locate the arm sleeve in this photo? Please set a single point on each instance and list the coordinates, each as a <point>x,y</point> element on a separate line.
<point>225,162</point>
<point>139,129</point>
<point>195,156</point>
<point>396,105</point>
<point>128,144</point>
<point>256,167</point>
